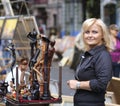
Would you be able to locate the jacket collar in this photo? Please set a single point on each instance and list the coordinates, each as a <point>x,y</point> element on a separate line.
<point>95,50</point>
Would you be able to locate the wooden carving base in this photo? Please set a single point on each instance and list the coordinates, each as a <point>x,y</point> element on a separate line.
<point>12,102</point>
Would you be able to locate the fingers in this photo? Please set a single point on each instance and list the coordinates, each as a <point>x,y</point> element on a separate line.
<point>68,82</point>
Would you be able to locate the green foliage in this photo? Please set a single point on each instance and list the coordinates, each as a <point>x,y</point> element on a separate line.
<point>93,8</point>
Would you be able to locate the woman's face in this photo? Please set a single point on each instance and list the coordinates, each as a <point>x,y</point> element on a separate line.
<point>93,36</point>
<point>114,32</point>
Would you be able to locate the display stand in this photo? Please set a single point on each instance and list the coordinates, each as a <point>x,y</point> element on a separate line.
<point>11,102</point>
<point>22,102</point>
<point>38,94</point>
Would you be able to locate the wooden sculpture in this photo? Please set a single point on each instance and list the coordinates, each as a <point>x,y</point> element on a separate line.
<point>40,65</point>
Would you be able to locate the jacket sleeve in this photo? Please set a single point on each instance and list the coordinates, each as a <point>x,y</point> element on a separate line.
<point>103,71</point>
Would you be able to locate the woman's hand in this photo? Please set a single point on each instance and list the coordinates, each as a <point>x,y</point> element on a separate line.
<point>82,84</point>
<point>72,84</point>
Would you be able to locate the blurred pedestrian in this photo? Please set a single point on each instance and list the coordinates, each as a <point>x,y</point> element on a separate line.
<point>42,27</point>
<point>118,35</point>
<point>95,68</point>
<point>22,69</point>
<point>5,53</point>
<point>115,54</point>
<point>3,73</point>
<point>77,52</point>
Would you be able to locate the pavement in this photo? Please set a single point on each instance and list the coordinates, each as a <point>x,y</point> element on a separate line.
<point>67,74</point>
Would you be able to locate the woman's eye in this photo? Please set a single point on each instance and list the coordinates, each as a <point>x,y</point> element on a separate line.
<point>87,32</point>
<point>94,32</point>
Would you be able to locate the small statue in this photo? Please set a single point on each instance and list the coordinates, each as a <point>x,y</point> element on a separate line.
<point>33,41</point>
<point>35,91</point>
<point>41,63</point>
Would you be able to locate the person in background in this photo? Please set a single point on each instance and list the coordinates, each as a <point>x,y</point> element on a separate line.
<point>3,73</point>
<point>115,54</point>
<point>5,53</point>
<point>118,35</point>
<point>42,27</point>
<point>77,52</point>
<point>22,69</point>
<point>94,71</point>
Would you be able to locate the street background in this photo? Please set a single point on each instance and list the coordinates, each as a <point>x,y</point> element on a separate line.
<point>59,20</point>
<point>67,74</point>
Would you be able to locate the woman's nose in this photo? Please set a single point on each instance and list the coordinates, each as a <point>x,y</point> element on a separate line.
<point>90,34</point>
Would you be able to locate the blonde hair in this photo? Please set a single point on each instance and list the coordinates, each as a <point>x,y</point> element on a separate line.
<point>106,37</point>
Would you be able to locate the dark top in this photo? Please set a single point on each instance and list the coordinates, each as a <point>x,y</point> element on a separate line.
<point>95,66</point>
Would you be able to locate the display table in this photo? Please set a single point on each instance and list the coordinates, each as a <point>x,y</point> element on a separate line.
<point>12,102</point>
<point>19,101</point>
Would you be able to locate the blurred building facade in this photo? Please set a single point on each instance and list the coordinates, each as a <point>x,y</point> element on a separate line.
<point>110,11</point>
<point>66,16</point>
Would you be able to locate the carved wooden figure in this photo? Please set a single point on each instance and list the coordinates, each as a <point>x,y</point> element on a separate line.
<point>40,64</point>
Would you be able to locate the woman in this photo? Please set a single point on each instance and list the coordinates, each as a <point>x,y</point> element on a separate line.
<point>95,69</point>
<point>115,54</point>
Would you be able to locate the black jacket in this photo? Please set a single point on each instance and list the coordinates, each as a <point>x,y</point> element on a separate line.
<point>95,66</point>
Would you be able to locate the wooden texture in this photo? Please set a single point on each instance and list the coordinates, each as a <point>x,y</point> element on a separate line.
<point>114,86</point>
